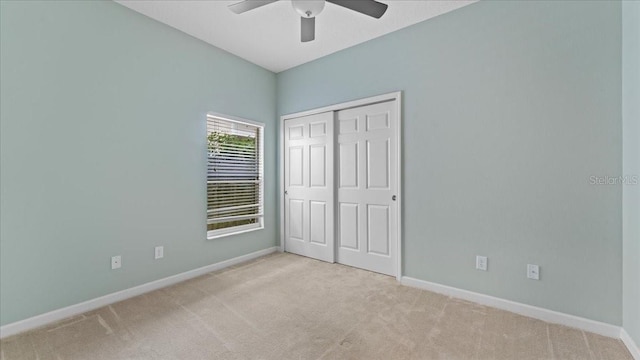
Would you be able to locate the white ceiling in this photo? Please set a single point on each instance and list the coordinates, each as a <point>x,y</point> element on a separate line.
<point>269,36</point>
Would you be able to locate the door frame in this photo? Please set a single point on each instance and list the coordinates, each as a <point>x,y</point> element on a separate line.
<point>393,96</point>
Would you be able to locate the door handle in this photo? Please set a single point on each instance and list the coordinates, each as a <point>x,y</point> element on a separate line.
<point>286,192</point>
<point>393,198</point>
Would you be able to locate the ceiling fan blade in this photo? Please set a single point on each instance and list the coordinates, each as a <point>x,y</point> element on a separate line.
<point>247,5</point>
<point>368,7</point>
<point>307,29</point>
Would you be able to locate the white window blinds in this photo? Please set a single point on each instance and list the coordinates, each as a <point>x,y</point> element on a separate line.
<point>234,175</point>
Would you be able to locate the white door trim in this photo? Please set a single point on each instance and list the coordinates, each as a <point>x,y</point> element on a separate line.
<point>394,96</point>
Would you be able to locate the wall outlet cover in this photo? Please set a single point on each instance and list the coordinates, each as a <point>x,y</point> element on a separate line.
<point>159,252</point>
<point>116,262</point>
<point>481,263</point>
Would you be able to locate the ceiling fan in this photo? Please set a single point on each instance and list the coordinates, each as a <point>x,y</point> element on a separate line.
<point>309,9</point>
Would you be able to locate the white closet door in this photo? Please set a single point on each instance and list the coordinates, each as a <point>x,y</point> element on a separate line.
<point>367,186</point>
<point>309,186</point>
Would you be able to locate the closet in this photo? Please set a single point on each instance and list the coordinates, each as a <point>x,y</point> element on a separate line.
<point>341,184</point>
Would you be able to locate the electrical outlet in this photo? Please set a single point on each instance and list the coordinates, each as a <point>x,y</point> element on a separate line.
<point>481,263</point>
<point>533,272</point>
<point>116,262</point>
<point>159,254</point>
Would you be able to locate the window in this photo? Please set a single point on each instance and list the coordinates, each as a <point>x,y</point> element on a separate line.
<point>234,176</point>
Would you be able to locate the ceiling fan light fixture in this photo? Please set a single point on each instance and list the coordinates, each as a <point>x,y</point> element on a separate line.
<point>308,8</point>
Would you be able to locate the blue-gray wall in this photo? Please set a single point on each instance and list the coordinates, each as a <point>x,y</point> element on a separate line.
<point>631,166</point>
<point>103,151</point>
<point>509,109</point>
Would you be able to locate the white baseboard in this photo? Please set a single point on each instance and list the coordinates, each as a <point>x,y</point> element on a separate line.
<point>518,308</point>
<point>634,349</point>
<point>55,315</point>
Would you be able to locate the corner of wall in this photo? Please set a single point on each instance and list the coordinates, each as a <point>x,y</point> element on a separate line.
<point>631,170</point>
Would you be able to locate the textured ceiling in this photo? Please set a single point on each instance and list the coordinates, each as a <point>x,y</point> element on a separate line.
<point>270,35</point>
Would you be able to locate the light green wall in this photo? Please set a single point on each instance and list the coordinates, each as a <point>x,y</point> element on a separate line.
<point>103,151</point>
<point>509,108</point>
<point>631,166</point>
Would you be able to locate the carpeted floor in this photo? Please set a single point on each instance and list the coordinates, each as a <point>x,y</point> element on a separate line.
<point>284,306</point>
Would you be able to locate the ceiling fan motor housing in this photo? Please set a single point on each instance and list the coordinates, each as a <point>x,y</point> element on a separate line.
<point>308,8</point>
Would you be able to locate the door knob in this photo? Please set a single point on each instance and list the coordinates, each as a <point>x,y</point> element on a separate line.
<point>286,192</point>
<point>393,198</point>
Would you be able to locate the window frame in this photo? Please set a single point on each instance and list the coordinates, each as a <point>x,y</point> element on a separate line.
<point>259,225</point>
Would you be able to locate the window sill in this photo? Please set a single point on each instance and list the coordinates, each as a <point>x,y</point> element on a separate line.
<point>216,234</point>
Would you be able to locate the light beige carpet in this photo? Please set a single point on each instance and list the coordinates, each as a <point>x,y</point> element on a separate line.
<point>284,306</point>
